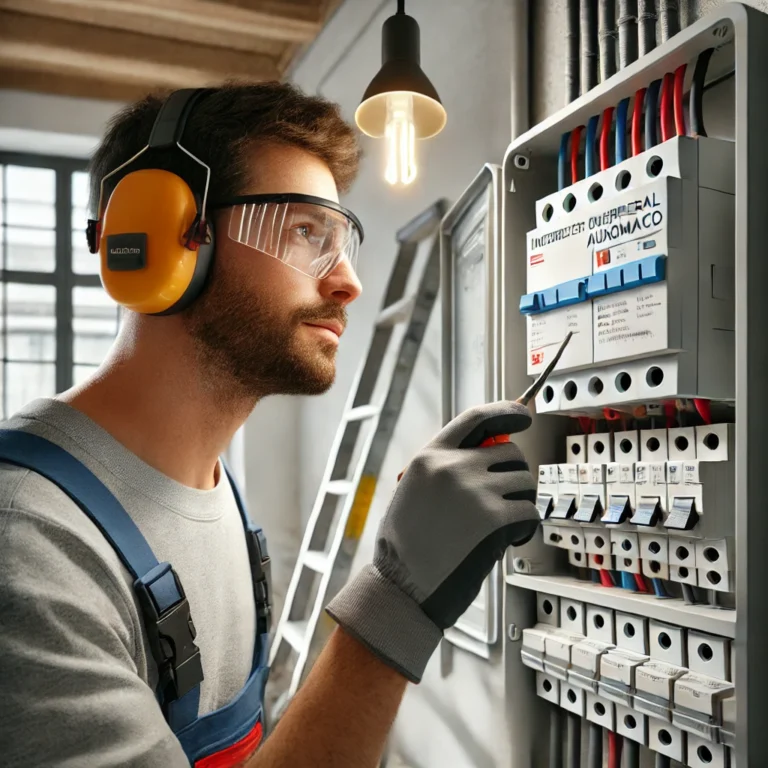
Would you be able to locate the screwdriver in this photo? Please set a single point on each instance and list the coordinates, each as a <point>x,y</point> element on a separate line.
<point>527,396</point>
<point>532,391</point>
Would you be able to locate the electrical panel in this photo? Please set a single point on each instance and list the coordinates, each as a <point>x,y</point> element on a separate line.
<point>625,225</point>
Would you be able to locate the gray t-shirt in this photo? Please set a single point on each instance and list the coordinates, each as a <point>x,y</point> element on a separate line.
<point>76,674</point>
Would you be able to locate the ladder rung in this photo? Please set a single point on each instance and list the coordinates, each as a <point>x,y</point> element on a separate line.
<point>363,412</point>
<point>294,633</point>
<point>316,561</point>
<point>339,487</point>
<point>396,313</point>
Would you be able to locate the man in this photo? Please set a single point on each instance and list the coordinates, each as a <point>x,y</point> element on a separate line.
<point>78,677</point>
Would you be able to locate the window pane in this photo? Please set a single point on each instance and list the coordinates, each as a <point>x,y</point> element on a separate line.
<point>83,261</point>
<point>30,322</point>
<point>28,381</point>
<point>28,214</point>
<point>34,184</point>
<point>80,191</point>
<point>94,324</point>
<point>33,250</point>
<point>81,372</point>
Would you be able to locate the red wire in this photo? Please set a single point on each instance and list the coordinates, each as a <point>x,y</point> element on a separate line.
<point>702,407</point>
<point>641,585</point>
<point>605,578</point>
<point>575,147</point>
<point>679,111</point>
<point>615,743</point>
<point>605,138</point>
<point>666,107</point>
<point>670,411</point>
<point>637,117</point>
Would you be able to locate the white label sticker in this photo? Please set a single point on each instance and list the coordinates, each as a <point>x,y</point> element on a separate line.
<point>547,330</point>
<point>598,474</point>
<point>627,473</point>
<point>674,472</point>
<point>632,322</point>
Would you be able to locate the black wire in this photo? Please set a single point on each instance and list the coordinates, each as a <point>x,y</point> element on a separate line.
<point>607,27</point>
<point>573,740</point>
<point>632,752</point>
<point>572,51</point>
<point>662,761</point>
<point>651,112</point>
<point>401,6</point>
<point>697,91</point>
<point>555,738</point>
<point>588,23</point>
<point>595,752</point>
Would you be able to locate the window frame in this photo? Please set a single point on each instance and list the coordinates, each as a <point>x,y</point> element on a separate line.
<point>63,278</point>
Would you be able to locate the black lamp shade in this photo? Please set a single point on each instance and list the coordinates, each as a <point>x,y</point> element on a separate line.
<point>401,72</point>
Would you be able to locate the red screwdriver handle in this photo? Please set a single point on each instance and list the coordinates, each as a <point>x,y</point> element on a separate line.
<point>495,440</point>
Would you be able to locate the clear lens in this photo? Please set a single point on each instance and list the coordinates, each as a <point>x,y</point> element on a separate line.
<point>308,237</point>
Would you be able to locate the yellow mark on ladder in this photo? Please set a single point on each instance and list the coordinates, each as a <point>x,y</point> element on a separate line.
<point>360,506</point>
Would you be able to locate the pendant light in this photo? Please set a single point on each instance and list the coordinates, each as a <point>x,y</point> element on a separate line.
<point>400,104</point>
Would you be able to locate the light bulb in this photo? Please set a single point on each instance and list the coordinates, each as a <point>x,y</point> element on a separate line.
<point>400,137</point>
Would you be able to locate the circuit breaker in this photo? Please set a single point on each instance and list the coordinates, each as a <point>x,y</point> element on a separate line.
<point>625,224</point>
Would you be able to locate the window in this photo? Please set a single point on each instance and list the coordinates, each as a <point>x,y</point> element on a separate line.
<point>56,321</point>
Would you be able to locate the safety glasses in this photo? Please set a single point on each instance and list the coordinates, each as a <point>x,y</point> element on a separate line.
<point>310,234</point>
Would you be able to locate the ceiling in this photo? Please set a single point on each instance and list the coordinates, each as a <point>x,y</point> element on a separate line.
<point>121,49</point>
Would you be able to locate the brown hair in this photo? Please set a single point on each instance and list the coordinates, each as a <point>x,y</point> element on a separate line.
<point>226,123</point>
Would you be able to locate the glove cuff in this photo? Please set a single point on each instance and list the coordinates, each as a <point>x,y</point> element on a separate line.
<point>387,621</point>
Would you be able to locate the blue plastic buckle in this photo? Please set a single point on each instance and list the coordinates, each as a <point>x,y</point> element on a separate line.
<point>171,634</point>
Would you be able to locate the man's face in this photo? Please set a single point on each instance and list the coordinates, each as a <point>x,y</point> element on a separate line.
<point>271,328</point>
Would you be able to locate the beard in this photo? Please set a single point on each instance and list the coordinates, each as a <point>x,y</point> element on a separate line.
<point>255,344</point>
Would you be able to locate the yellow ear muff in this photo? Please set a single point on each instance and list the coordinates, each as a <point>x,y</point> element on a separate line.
<point>145,264</point>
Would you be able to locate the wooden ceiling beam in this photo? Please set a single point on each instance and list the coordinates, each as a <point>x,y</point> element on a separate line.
<point>72,49</point>
<point>199,21</point>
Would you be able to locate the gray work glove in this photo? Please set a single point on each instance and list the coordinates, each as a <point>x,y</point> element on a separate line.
<point>456,510</point>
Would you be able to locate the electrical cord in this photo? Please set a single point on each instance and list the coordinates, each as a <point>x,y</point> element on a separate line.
<point>662,761</point>
<point>689,596</point>
<point>627,32</point>
<point>695,108</point>
<point>572,51</point>
<point>614,750</point>
<point>651,113</point>
<point>573,741</point>
<point>628,582</point>
<point>637,118</point>
<point>658,588</point>
<point>555,738</point>
<point>621,130</point>
<point>669,14</point>
<point>588,27</point>
<point>589,148</point>
<point>679,110</point>
<point>641,585</point>
<point>605,138</point>
<point>595,750</point>
<point>646,20</point>
<point>575,147</point>
<point>562,162</point>
<point>633,754</point>
<point>607,34</point>
<point>666,106</point>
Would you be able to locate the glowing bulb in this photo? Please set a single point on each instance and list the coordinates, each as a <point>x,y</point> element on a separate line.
<point>400,136</point>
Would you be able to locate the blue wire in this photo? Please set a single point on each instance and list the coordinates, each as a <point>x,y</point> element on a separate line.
<point>651,112</point>
<point>628,581</point>
<point>562,162</point>
<point>658,588</point>
<point>589,150</point>
<point>621,130</point>
<point>595,576</point>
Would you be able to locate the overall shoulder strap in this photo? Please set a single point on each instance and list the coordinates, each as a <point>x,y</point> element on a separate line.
<point>258,557</point>
<point>164,605</point>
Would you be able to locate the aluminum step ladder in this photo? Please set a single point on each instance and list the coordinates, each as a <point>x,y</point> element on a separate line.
<point>357,454</point>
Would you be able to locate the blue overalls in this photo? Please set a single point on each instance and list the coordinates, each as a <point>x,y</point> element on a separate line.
<point>220,739</point>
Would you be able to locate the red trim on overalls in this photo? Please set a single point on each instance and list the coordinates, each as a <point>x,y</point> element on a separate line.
<point>235,754</point>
